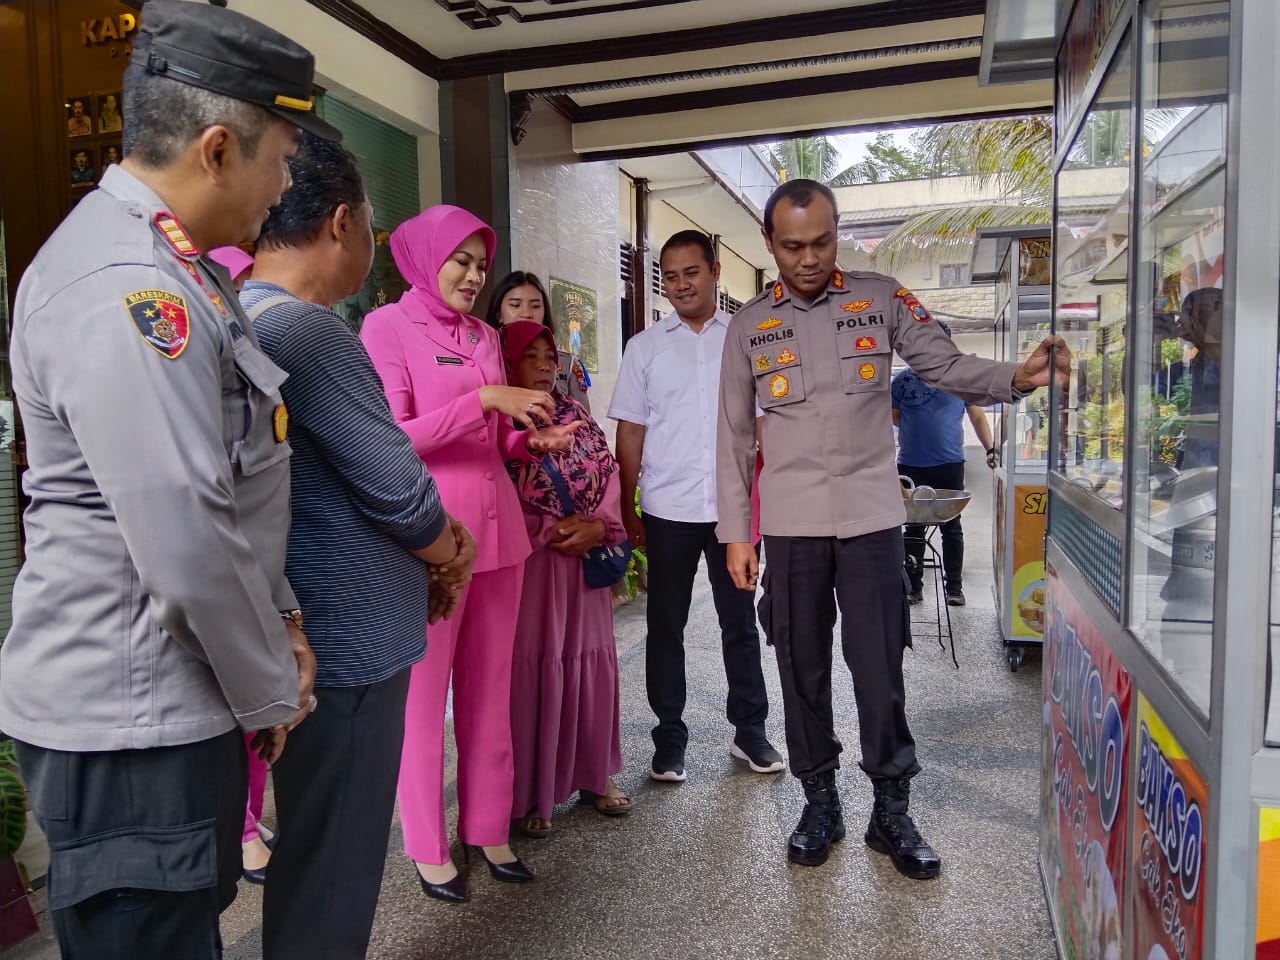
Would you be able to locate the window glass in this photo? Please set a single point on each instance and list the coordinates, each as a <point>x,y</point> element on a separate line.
<point>1091,258</point>
<point>1177,336</point>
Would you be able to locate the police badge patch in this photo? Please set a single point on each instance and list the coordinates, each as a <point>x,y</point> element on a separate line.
<point>914,306</point>
<point>161,319</point>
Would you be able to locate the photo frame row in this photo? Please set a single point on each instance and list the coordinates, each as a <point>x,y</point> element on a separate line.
<point>87,162</point>
<point>94,114</point>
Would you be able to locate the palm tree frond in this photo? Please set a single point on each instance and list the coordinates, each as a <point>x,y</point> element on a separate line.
<point>947,234</point>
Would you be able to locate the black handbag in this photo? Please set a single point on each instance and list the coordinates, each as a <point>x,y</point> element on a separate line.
<point>602,566</point>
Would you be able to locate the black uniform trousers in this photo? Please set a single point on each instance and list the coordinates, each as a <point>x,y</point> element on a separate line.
<point>335,790</point>
<point>945,476</point>
<point>803,579</point>
<point>673,549</point>
<point>144,846</point>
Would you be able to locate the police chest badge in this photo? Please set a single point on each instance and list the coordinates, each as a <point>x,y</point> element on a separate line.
<point>161,319</point>
<point>280,422</point>
<point>764,362</point>
<point>779,386</point>
<point>856,306</point>
<point>786,357</point>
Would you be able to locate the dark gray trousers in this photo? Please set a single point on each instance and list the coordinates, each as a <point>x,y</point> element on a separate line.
<point>144,846</point>
<point>335,791</point>
<point>803,579</point>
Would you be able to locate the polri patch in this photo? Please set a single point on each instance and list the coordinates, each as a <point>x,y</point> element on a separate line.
<point>280,422</point>
<point>914,306</point>
<point>162,320</point>
<point>865,343</point>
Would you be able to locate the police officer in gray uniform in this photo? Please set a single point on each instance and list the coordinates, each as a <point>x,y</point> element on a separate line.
<point>152,620</point>
<point>815,351</point>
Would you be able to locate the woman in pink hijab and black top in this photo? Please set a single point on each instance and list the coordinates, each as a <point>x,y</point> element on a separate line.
<point>443,373</point>
<point>564,691</point>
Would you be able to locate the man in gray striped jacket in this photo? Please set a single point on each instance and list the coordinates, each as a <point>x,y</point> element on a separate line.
<point>368,534</point>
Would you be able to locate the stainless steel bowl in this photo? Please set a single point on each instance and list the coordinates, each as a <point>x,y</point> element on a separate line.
<point>927,505</point>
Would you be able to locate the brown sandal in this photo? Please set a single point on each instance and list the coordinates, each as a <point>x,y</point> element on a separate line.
<point>525,825</point>
<point>601,801</point>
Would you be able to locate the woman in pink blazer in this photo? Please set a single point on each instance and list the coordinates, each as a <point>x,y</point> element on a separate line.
<point>442,370</point>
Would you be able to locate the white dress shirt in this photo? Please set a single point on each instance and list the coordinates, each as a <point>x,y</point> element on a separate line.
<point>670,384</point>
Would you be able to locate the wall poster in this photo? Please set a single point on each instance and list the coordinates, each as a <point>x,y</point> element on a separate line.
<point>1171,816</point>
<point>1084,801</point>
<point>575,309</point>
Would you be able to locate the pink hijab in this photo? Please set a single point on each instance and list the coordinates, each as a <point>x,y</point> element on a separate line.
<point>233,258</point>
<point>420,247</point>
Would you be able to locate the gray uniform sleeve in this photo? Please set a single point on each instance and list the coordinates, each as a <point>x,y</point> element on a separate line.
<point>735,441</point>
<point>939,362</point>
<point>151,433</point>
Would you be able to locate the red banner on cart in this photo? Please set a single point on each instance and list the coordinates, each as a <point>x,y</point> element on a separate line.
<point>1269,884</point>
<point>1084,802</point>
<point>1171,816</point>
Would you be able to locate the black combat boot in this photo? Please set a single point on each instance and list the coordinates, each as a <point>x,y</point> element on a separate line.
<point>891,830</point>
<point>821,824</point>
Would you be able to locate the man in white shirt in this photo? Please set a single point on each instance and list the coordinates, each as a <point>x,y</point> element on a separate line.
<point>666,404</point>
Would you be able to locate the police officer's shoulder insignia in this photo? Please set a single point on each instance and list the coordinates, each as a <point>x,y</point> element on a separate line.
<point>581,375</point>
<point>779,291</point>
<point>175,235</point>
<point>162,320</point>
<point>856,306</point>
<point>779,386</point>
<point>764,362</point>
<point>769,324</point>
<point>837,280</point>
<point>914,306</point>
<point>280,422</point>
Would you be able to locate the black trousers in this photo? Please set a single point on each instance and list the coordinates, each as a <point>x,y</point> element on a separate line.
<point>144,846</point>
<point>335,789</point>
<point>674,549</point>
<point>947,476</point>
<point>803,579</point>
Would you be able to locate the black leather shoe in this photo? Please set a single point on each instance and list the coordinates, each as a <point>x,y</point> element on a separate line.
<point>513,872</point>
<point>667,765</point>
<point>453,890</point>
<point>821,824</point>
<point>892,831</point>
<point>258,876</point>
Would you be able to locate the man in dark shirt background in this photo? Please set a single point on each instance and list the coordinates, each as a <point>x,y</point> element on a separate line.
<point>368,531</point>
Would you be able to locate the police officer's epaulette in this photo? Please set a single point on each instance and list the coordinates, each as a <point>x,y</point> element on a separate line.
<point>870,275</point>
<point>764,296</point>
<point>174,235</point>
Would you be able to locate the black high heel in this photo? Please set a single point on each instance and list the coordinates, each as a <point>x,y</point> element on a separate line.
<point>514,872</point>
<point>453,890</point>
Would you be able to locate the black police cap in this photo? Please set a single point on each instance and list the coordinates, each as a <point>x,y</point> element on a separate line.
<point>231,54</point>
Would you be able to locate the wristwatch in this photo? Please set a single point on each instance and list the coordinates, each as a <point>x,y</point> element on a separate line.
<point>294,615</point>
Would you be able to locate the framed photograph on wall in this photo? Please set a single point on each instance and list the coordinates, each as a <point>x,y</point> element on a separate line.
<point>109,113</point>
<point>111,153</point>
<point>79,116</point>
<point>83,166</point>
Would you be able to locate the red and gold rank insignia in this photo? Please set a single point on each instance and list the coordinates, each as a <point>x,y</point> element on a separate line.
<point>856,306</point>
<point>161,318</point>
<point>769,324</point>
<point>779,386</point>
<point>865,343</point>
<point>175,234</point>
<point>786,356</point>
<point>280,422</point>
<point>867,371</point>
<point>837,280</point>
<point>778,291</point>
<point>764,362</point>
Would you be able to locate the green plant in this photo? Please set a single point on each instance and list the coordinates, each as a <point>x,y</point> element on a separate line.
<point>13,802</point>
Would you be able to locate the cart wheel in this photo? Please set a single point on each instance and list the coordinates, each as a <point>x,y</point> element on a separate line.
<point>1015,656</point>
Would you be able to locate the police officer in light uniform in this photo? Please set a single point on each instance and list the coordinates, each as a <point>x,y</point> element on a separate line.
<point>152,620</point>
<point>815,351</point>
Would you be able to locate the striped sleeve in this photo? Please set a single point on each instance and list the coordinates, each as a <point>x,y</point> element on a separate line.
<point>334,394</point>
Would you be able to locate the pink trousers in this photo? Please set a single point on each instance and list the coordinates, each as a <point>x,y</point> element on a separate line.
<point>474,646</point>
<point>257,791</point>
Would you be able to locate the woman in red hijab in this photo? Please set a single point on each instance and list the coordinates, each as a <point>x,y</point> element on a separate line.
<point>443,374</point>
<point>564,693</point>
